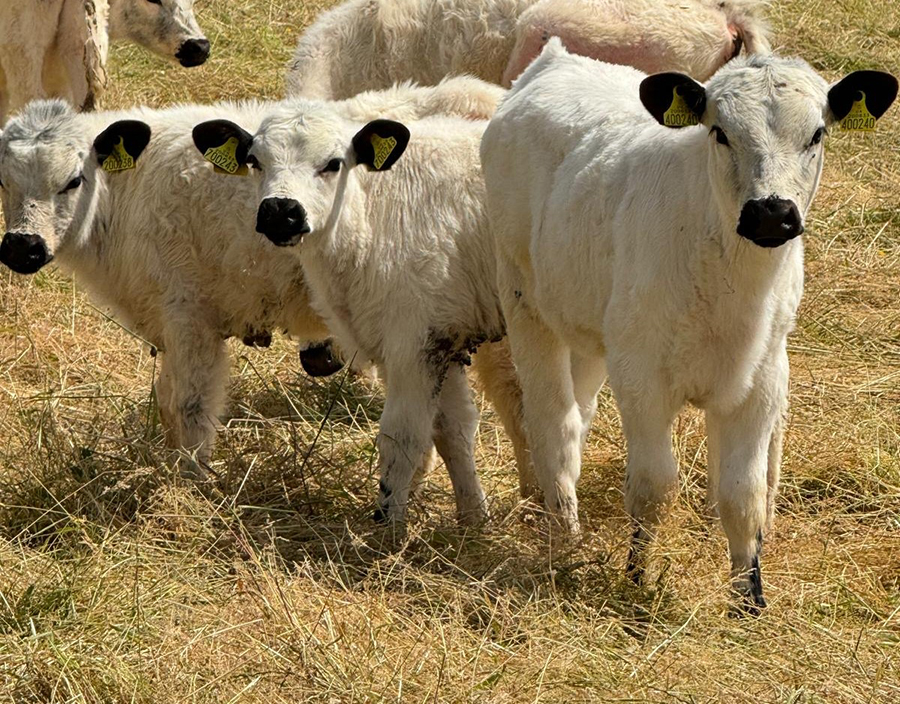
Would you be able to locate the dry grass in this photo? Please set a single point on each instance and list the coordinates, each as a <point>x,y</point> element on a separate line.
<point>119,584</point>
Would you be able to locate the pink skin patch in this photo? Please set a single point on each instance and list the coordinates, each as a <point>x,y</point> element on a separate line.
<point>722,42</point>
<point>647,57</point>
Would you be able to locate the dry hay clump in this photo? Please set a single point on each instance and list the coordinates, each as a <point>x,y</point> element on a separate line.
<point>120,583</point>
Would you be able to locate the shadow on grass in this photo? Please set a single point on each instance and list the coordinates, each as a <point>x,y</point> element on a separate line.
<point>302,490</point>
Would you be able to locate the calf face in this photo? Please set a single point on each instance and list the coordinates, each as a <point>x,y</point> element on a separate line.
<point>165,27</point>
<point>303,155</point>
<point>766,118</point>
<point>49,171</point>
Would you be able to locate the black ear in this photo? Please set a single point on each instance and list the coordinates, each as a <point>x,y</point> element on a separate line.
<point>379,144</point>
<point>213,140</point>
<point>675,100</point>
<point>880,89</point>
<point>119,145</point>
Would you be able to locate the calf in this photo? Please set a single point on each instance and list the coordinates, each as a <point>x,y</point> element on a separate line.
<point>400,265</point>
<point>364,44</point>
<point>58,48</point>
<point>671,259</point>
<point>152,232</point>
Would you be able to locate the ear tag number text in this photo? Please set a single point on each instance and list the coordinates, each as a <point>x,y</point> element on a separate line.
<point>383,148</point>
<point>224,158</point>
<point>119,159</point>
<point>859,119</point>
<point>679,114</point>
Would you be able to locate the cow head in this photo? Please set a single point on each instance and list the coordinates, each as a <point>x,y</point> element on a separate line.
<point>303,154</point>
<point>50,170</point>
<point>766,118</point>
<point>165,27</point>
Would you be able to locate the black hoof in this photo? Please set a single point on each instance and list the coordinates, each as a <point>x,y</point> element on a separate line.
<point>320,360</point>
<point>380,515</point>
<point>748,605</point>
<point>750,593</point>
<point>634,568</point>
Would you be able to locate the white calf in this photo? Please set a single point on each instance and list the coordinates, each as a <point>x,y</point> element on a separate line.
<point>58,48</point>
<point>364,44</point>
<point>672,258</point>
<point>400,265</point>
<point>166,243</point>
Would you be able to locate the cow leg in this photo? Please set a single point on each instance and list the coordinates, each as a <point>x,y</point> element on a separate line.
<point>497,376</point>
<point>750,438</point>
<point>454,437</point>
<point>423,470</point>
<point>773,473</point>
<point>713,463</point>
<point>405,437</point>
<point>191,390</point>
<point>651,474</point>
<point>553,419</point>
<point>588,375</point>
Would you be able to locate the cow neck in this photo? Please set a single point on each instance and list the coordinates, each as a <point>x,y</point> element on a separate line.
<point>342,243</point>
<point>733,264</point>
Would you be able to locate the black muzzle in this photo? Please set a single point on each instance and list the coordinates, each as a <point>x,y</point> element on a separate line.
<point>193,52</point>
<point>321,359</point>
<point>23,253</point>
<point>282,220</point>
<point>770,222</point>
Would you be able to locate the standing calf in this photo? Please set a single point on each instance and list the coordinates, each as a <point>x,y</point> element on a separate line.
<point>670,259</point>
<point>400,264</point>
<point>58,48</point>
<point>365,44</point>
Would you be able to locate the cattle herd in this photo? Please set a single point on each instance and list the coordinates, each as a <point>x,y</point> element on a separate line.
<point>560,192</point>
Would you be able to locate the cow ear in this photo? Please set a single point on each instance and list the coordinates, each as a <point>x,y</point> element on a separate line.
<point>223,144</point>
<point>379,144</point>
<point>119,145</point>
<point>675,100</point>
<point>860,98</point>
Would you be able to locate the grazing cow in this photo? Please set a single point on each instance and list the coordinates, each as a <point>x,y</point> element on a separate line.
<point>365,44</point>
<point>151,231</point>
<point>669,259</point>
<point>58,48</point>
<point>400,265</point>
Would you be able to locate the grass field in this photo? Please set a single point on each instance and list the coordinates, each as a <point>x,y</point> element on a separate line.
<point>121,583</point>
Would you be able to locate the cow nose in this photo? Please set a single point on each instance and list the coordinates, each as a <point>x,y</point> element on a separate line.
<point>770,222</point>
<point>320,359</point>
<point>24,254</point>
<point>282,220</point>
<point>193,52</point>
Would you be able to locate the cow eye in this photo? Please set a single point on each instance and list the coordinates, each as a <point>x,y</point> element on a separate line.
<point>73,184</point>
<point>155,2</point>
<point>332,166</point>
<point>720,135</point>
<point>817,137</point>
<point>253,162</point>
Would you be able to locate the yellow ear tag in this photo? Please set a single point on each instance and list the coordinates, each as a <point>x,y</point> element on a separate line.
<point>119,159</point>
<point>224,158</point>
<point>859,119</point>
<point>383,148</point>
<point>679,114</point>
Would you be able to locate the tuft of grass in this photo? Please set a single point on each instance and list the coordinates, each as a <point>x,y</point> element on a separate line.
<point>119,582</point>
